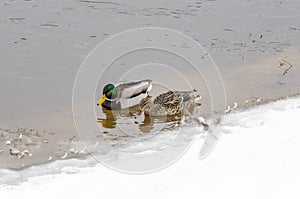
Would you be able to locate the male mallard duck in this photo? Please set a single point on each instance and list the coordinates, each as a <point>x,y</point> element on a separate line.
<point>169,103</point>
<point>124,95</point>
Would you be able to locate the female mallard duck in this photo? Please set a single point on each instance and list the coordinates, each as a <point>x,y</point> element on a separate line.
<point>169,103</point>
<point>124,95</point>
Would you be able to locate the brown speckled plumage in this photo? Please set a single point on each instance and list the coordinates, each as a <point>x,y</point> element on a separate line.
<point>169,103</point>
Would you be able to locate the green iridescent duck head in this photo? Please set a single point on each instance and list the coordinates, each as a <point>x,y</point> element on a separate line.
<point>109,93</point>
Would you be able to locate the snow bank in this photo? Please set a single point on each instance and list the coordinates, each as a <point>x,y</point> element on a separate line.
<point>258,156</point>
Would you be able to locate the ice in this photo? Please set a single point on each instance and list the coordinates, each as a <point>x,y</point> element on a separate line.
<point>258,157</point>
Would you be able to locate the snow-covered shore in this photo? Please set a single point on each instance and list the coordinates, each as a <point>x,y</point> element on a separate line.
<point>257,157</point>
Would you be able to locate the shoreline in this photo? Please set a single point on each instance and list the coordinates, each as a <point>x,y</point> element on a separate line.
<point>50,146</point>
<point>254,149</point>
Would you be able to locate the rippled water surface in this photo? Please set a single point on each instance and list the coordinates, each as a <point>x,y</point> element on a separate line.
<point>43,44</point>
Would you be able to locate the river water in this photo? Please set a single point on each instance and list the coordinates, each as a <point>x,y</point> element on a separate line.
<point>43,44</point>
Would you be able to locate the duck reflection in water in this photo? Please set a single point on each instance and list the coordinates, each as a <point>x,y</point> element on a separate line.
<point>160,123</point>
<point>109,121</point>
<point>145,124</point>
<point>112,116</point>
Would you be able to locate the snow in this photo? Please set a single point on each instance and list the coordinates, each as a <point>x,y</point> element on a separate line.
<point>256,157</point>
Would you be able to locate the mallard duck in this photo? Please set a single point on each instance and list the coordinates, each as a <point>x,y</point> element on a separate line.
<point>124,95</point>
<point>169,103</point>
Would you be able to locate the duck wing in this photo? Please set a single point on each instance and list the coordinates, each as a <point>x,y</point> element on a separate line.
<point>129,90</point>
<point>186,95</point>
<point>168,99</point>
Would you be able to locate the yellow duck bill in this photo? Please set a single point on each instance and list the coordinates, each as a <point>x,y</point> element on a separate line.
<point>102,100</point>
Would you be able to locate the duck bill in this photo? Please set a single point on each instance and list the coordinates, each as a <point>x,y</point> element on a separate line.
<point>102,100</point>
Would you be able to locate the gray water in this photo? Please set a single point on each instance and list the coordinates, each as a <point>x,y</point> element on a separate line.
<point>43,44</point>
